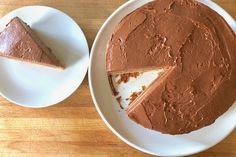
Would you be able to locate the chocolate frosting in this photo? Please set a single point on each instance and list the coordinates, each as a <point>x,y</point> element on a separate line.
<point>198,50</point>
<point>18,41</point>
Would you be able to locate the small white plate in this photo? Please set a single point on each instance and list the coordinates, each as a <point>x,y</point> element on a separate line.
<point>36,86</point>
<point>135,135</point>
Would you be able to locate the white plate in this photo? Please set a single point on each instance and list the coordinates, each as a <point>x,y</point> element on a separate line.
<point>135,135</point>
<point>36,86</point>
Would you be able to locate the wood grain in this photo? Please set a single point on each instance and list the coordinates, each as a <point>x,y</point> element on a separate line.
<point>73,127</point>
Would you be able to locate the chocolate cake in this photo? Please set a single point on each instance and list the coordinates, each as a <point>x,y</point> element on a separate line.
<point>18,41</point>
<point>197,50</point>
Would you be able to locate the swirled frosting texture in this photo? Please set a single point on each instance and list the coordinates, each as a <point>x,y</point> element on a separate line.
<point>198,49</point>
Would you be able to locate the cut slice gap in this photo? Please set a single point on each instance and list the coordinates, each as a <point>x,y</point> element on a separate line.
<point>128,86</point>
<point>158,80</point>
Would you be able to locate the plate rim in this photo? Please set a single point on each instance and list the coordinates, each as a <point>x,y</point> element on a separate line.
<point>87,56</point>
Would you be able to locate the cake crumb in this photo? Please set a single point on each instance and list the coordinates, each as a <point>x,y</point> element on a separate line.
<point>125,77</point>
<point>144,87</point>
<point>119,101</point>
<point>114,92</point>
<point>133,96</point>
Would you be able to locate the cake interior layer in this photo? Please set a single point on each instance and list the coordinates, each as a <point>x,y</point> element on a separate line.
<point>32,62</point>
<point>137,70</point>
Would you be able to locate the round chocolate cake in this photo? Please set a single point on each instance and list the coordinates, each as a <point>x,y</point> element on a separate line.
<point>197,50</point>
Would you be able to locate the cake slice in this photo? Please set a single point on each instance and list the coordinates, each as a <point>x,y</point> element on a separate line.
<point>19,42</point>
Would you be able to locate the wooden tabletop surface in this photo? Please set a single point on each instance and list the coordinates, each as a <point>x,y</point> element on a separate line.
<point>73,127</point>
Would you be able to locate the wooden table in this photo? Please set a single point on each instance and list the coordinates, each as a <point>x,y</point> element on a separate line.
<point>73,127</point>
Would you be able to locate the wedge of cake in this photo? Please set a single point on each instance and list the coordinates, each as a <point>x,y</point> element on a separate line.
<point>19,42</point>
<point>195,47</point>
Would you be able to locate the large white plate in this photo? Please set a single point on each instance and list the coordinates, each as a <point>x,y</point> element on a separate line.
<point>136,136</point>
<point>37,86</point>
